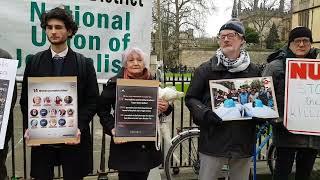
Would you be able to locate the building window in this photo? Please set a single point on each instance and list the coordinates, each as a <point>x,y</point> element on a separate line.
<point>304,18</point>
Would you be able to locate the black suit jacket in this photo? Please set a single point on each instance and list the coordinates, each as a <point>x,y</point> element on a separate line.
<point>87,101</point>
<point>87,88</point>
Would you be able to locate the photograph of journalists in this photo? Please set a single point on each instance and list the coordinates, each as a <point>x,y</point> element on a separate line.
<point>234,99</point>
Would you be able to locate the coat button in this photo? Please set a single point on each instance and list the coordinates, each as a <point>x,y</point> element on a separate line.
<point>143,146</point>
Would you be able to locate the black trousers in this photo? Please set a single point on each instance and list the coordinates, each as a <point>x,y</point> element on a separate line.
<point>3,158</point>
<point>4,153</point>
<point>45,157</point>
<point>304,157</point>
<point>125,175</point>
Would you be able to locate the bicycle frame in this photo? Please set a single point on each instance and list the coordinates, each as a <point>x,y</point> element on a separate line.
<point>258,149</point>
<point>262,131</point>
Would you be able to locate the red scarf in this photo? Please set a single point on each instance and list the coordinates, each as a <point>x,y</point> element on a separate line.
<point>145,74</point>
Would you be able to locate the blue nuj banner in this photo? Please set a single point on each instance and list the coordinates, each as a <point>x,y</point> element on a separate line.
<point>106,29</point>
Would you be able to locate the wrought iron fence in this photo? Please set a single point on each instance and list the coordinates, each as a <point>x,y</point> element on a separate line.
<point>180,117</point>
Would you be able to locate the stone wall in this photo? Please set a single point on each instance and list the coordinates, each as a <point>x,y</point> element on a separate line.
<point>193,58</point>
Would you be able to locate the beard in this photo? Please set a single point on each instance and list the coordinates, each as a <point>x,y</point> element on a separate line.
<point>60,42</point>
<point>228,49</point>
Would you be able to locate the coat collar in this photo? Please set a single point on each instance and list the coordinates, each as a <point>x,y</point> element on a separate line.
<point>285,52</point>
<point>120,75</point>
<point>69,55</point>
<point>61,54</point>
<point>215,66</point>
<point>69,65</point>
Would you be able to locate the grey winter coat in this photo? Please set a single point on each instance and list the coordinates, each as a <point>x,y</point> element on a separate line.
<point>230,139</point>
<point>276,68</point>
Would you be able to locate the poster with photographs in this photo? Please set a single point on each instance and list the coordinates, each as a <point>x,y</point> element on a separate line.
<point>244,98</point>
<point>136,110</point>
<point>8,69</point>
<point>52,104</point>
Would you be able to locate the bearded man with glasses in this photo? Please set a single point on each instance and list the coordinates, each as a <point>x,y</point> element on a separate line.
<point>290,147</point>
<point>223,142</point>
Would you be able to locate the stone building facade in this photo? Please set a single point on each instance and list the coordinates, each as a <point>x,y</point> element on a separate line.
<point>307,13</point>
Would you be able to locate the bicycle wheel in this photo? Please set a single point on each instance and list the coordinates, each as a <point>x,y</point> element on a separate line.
<point>182,160</point>
<point>271,157</point>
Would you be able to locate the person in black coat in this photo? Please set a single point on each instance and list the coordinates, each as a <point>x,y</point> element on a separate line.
<point>291,147</point>
<point>133,160</point>
<point>223,142</point>
<point>61,60</point>
<point>4,151</point>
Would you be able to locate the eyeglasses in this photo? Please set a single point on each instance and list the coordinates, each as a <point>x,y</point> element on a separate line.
<point>299,41</point>
<point>230,36</point>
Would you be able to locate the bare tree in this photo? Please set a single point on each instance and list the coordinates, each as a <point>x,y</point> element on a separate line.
<point>178,16</point>
<point>260,17</point>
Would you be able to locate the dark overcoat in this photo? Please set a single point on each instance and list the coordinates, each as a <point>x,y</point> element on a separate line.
<point>230,139</point>
<point>276,68</point>
<point>88,92</point>
<point>130,156</point>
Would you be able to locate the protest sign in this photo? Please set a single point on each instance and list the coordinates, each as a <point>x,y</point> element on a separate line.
<point>8,69</point>
<point>302,96</point>
<point>136,110</point>
<point>53,110</point>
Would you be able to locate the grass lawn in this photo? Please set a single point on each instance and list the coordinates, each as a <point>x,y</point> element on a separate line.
<point>178,85</point>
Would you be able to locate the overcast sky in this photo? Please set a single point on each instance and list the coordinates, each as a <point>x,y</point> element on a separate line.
<point>221,15</point>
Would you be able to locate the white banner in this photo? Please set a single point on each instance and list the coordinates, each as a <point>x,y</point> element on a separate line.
<point>302,96</point>
<point>106,29</point>
<point>8,69</point>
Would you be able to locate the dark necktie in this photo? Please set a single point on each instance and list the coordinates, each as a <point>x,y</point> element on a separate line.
<point>58,65</point>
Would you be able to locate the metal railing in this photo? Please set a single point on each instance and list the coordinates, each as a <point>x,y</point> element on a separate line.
<point>101,172</point>
<point>180,117</point>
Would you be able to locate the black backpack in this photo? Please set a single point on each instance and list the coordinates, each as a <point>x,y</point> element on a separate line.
<point>81,62</point>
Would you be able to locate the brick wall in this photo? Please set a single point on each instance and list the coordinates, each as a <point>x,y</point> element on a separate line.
<point>193,58</point>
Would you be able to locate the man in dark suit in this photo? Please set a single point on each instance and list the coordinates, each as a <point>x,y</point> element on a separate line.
<point>60,60</point>
<point>4,151</point>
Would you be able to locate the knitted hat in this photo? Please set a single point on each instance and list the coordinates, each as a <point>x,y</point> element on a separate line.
<point>234,24</point>
<point>299,31</point>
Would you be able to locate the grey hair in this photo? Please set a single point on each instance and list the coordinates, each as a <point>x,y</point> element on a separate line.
<point>136,50</point>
